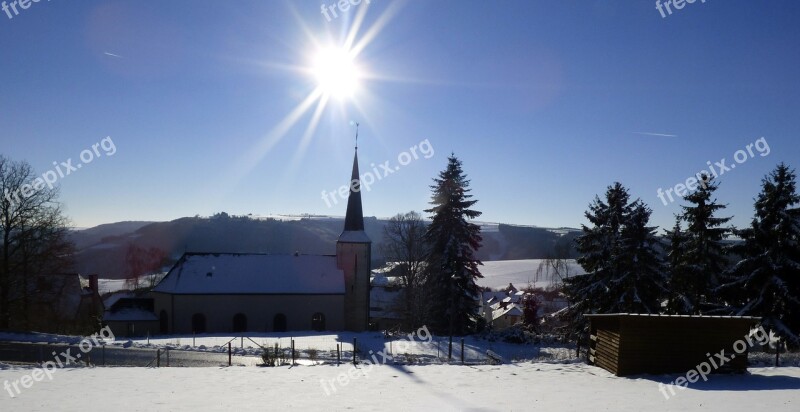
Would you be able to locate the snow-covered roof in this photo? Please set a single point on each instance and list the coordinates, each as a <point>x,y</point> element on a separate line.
<point>129,315</point>
<point>256,274</point>
<point>511,310</point>
<point>115,297</point>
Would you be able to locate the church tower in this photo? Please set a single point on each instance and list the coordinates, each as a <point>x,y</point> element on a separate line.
<point>353,256</point>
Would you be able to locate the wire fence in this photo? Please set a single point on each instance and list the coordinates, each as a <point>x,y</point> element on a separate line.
<point>378,348</point>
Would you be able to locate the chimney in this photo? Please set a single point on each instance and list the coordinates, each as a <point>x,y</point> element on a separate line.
<point>93,284</point>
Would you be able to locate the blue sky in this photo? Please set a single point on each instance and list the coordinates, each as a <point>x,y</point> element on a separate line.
<point>546,103</point>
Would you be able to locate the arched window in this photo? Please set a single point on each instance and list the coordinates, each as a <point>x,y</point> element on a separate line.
<point>239,323</point>
<point>279,323</point>
<point>163,322</point>
<point>199,323</point>
<point>318,322</point>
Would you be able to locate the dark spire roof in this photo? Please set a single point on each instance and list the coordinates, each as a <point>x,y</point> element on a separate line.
<point>354,220</point>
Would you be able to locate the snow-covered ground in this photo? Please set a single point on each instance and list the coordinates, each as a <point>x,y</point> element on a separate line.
<point>525,386</point>
<point>497,274</point>
<point>554,380</point>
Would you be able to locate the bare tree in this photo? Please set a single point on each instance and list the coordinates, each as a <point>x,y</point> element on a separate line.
<point>404,246</point>
<point>556,267</point>
<point>33,236</point>
<point>142,262</point>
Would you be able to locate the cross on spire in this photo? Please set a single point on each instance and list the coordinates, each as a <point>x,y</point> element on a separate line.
<point>357,124</point>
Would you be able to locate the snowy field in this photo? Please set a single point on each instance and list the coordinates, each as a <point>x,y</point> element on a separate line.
<point>526,386</point>
<point>554,380</point>
<point>497,274</point>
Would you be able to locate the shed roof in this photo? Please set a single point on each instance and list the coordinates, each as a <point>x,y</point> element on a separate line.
<point>253,274</point>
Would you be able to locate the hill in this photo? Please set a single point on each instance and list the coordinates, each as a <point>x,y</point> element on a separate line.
<point>103,249</point>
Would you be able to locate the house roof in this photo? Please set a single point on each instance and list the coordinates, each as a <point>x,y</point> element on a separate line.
<point>253,274</point>
<point>511,310</point>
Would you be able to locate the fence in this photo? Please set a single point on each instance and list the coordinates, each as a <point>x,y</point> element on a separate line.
<point>310,349</point>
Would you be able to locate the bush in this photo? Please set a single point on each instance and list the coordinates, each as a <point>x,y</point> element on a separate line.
<point>267,358</point>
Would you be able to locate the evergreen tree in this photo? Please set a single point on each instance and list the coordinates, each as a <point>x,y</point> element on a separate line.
<point>453,241</point>
<point>530,311</point>
<point>643,281</point>
<point>624,272</point>
<point>766,282</point>
<point>696,271</point>
<point>675,249</point>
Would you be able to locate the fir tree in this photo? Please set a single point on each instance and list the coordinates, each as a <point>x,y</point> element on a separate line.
<point>452,266</point>
<point>624,272</point>
<point>675,249</point>
<point>530,311</point>
<point>702,261</point>
<point>766,282</point>
<point>642,282</point>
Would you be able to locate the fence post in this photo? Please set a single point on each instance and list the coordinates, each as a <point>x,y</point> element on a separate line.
<point>167,357</point>
<point>194,335</point>
<point>229,354</point>
<point>462,351</point>
<point>104,354</point>
<point>338,355</point>
<point>242,341</point>
<point>450,349</point>
<point>355,341</point>
<point>158,358</point>
<point>292,351</point>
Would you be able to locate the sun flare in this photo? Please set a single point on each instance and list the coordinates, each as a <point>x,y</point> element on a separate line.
<point>336,72</point>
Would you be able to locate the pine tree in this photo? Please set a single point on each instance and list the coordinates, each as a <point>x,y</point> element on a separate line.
<point>624,272</point>
<point>675,250</point>
<point>642,281</point>
<point>530,311</point>
<point>702,261</point>
<point>766,282</point>
<point>452,266</point>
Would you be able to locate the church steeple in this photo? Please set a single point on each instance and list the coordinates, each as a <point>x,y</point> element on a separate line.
<point>354,220</point>
<point>354,256</point>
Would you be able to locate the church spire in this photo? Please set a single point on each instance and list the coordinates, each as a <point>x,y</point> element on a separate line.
<point>354,220</point>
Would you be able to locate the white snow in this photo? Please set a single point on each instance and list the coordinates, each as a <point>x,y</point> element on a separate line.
<point>253,274</point>
<point>498,274</point>
<point>560,384</point>
<point>528,386</point>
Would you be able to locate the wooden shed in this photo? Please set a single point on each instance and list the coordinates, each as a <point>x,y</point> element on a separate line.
<point>628,344</point>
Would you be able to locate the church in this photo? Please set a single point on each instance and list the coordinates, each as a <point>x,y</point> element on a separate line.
<point>237,292</point>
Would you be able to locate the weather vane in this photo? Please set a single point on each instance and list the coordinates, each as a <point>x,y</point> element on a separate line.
<point>357,124</point>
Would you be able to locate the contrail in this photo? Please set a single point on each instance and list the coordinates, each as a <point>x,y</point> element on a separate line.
<point>656,134</point>
<point>113,55</point>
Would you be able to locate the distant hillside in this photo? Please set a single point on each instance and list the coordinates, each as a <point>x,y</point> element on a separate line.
<point>88,237</point>
<point>102,249</point>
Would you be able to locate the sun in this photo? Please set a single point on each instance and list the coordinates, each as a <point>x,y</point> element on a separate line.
<point>336,72</point>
